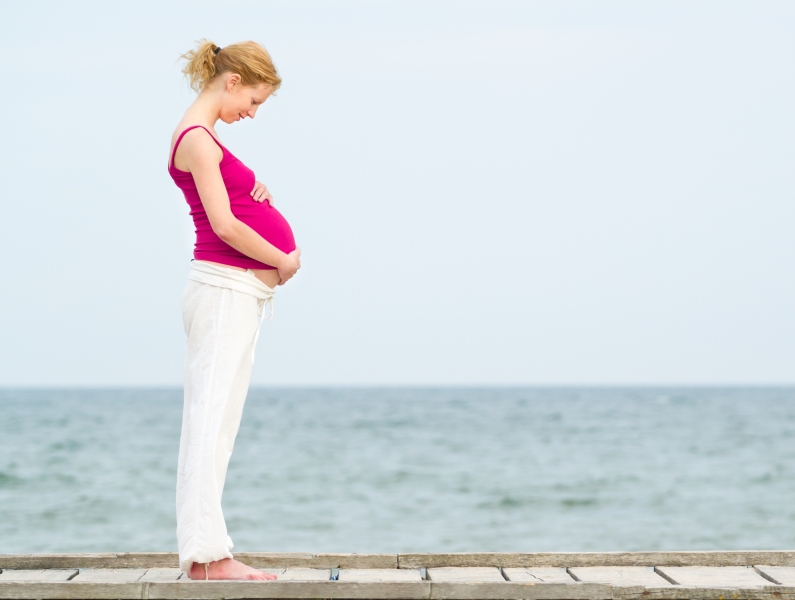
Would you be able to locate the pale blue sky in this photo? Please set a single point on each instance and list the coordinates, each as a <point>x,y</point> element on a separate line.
<point>511,193</point>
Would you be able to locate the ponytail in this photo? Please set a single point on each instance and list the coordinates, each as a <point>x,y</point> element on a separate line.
<point>200,66</point>
<point>248,59</point>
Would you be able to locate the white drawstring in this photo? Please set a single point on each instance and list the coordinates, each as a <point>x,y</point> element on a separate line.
<point>262,318</point>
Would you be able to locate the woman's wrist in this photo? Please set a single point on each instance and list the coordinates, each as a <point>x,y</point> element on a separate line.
<point>281,262</point>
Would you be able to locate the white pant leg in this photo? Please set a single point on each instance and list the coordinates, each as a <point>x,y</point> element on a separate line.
<point>220,324</point>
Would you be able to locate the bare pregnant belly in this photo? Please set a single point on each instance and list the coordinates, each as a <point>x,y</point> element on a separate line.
<point>269,277</point>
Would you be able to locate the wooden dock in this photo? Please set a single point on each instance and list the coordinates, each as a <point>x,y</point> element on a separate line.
<point>461,576</point>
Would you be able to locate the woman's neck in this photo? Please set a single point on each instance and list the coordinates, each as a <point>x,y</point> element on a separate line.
<point>205,110</point>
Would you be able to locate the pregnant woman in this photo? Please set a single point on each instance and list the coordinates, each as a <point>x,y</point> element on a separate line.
<point>244,249</point>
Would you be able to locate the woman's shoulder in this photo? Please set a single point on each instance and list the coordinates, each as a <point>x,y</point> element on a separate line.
<point>195,142</point>
<point>194,131</point>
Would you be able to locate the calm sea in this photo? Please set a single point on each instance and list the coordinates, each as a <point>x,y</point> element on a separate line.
<point>411,470</point>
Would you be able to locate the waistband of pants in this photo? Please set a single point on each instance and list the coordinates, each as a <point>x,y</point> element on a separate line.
<point>240,281</point>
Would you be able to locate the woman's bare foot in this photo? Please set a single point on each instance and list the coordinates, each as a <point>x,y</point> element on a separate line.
<point>228,568</point>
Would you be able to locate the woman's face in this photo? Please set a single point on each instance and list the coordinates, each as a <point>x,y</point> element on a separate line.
<point>241,101</point>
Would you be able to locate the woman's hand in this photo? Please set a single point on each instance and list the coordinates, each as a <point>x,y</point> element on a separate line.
<point>291,264</point>
<point>260,193</point>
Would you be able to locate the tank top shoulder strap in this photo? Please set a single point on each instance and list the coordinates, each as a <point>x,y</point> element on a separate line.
<point>186,130</point>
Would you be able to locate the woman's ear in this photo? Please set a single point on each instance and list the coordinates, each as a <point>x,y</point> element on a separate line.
<point>232,81</point>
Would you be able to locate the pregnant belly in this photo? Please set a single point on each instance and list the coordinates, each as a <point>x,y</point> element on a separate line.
<point>268,223</point>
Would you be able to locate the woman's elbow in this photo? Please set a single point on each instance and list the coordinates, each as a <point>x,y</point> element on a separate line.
<point>225,230</point>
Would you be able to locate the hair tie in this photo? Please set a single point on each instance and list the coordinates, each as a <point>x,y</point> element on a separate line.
<point>217,49</point>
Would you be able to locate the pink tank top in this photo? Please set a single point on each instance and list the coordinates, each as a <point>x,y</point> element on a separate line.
<point>260,216</point>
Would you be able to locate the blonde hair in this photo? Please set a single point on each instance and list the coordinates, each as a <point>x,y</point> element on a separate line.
<point>248,59</point>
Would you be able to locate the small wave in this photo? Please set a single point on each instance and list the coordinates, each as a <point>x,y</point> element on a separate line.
<point>571,502</point>
<point>508,502</point>
<point>8,480</point>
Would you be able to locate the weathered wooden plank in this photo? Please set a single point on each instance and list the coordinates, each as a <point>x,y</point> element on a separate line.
<point>619,576</point>
<point>37,574</point>
<point>53,561</point>
<point>299,574</point>
<point>781,575</point>
<point>462,574</point>
<point>675,592</point>
<point>108,575</point>
<point>712,577</point>
<point>127,560</point>
<point>161,575</point>
<point>68,590</point>
<point>305,560</point>
<point>508,590</point>
<point>92,560</point>
<point>596,559</point>
<point>388,561</point>
<point>380,575</point>
<point>213,590</point>
<point>539,575</point>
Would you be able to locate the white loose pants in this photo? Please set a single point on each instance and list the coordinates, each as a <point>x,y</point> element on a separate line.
<point>222,310</point>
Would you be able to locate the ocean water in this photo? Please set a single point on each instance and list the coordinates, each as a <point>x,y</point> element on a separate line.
<point>411,470</point>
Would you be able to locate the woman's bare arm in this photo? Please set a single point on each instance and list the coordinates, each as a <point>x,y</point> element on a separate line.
<point>202,155</point>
